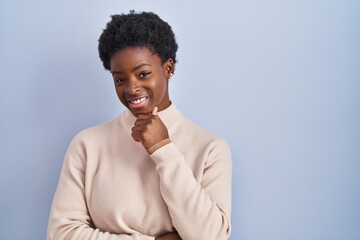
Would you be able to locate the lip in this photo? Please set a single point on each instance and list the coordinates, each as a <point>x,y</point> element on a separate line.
<point>139,104</point>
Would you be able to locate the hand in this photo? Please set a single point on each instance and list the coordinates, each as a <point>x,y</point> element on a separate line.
<point>149,129</point>
<point>169,236</point>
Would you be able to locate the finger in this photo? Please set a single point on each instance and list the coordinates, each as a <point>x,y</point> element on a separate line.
<point>135,137</point>
<point>142,122</point>
<point>154,112</point>
<point>141,117</point>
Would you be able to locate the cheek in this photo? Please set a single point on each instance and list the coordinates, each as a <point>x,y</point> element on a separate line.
<point>161,84</point>
<point>159,88</point>
<point>164,86</point>
<point>120,94</point>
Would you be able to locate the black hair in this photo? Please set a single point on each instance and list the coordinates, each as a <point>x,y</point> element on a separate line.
<point>144,29</point>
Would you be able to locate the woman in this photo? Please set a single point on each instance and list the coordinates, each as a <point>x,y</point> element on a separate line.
<point>150,173</point>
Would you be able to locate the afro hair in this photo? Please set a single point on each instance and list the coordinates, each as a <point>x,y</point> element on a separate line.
<point>144,29</point>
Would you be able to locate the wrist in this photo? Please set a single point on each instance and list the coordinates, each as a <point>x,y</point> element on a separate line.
<point>158,145</point>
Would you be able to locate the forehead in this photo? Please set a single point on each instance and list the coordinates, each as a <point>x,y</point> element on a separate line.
<point>128,58</point>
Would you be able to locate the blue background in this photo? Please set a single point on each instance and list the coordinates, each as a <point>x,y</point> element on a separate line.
<point>280,80</point>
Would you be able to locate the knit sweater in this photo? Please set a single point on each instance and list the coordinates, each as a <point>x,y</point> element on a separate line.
<point>111,188</point>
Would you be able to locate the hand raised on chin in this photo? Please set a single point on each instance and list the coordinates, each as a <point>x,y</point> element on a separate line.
<point>149,130</point>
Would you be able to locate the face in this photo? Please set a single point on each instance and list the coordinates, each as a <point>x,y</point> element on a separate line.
<point>141,79</point>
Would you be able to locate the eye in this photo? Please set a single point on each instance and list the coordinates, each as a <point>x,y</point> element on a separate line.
<point>119,80</point>
<point>144,74</point>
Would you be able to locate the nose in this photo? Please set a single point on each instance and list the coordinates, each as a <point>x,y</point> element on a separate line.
<point>132,86</point>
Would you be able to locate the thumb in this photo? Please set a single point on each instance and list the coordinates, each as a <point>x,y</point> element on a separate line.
<point>154,111</point>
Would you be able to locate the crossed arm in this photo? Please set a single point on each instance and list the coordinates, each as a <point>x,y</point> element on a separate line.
<point>207,212</point>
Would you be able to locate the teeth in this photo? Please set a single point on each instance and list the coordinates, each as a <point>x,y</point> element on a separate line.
<point>137,101</point>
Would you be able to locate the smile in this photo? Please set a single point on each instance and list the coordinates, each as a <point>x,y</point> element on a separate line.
<point>137,101</point>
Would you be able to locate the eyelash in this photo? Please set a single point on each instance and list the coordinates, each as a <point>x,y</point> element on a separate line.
<point>141,75</point>
<point>145,74</point>
<point>119,80</point>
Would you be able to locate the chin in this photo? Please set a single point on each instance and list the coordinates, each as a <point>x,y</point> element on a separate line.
<point>136,112</point>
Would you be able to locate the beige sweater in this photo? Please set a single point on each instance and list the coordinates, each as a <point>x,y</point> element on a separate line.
<point>110,188</point>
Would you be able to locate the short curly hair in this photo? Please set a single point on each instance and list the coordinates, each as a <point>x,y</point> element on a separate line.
<point>144,29</point>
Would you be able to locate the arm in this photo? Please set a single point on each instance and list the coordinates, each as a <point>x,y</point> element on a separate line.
<point>169,236</point>
<point>69,218</point>
<point>198,210</point>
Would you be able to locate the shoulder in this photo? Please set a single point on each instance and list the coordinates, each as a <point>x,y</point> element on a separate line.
<point>202,138</point>
<point>91,136</point>
<point>98,130</point>
<point>89,141</point>
<point>201,133</point>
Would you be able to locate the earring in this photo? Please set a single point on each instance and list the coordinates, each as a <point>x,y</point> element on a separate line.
<point>171,74</point>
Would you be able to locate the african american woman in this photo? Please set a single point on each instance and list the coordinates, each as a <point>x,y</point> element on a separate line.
<point>150,173</point>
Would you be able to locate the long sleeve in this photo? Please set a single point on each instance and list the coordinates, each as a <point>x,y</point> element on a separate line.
<point>69,217</point>
<point>198,209</point>
<point>110,188</point>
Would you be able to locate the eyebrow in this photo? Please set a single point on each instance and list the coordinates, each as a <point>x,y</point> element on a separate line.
<point>134,69</point>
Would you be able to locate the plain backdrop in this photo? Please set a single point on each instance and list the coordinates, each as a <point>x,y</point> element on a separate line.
<point>278,79</point>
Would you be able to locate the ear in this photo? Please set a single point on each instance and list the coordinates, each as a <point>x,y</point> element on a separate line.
<point>169,68</point>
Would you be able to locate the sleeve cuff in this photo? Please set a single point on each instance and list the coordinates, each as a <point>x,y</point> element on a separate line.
<point>154,147</point>
<point>166,152</point>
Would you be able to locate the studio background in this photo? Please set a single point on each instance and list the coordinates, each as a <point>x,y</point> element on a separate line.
<point>280,80</point>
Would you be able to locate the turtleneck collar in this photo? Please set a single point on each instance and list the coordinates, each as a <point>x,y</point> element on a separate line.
<point>168,115</point>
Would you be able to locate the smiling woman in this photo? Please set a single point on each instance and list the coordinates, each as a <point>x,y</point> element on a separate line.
<point>141,79</point>
<point>149,173</point>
